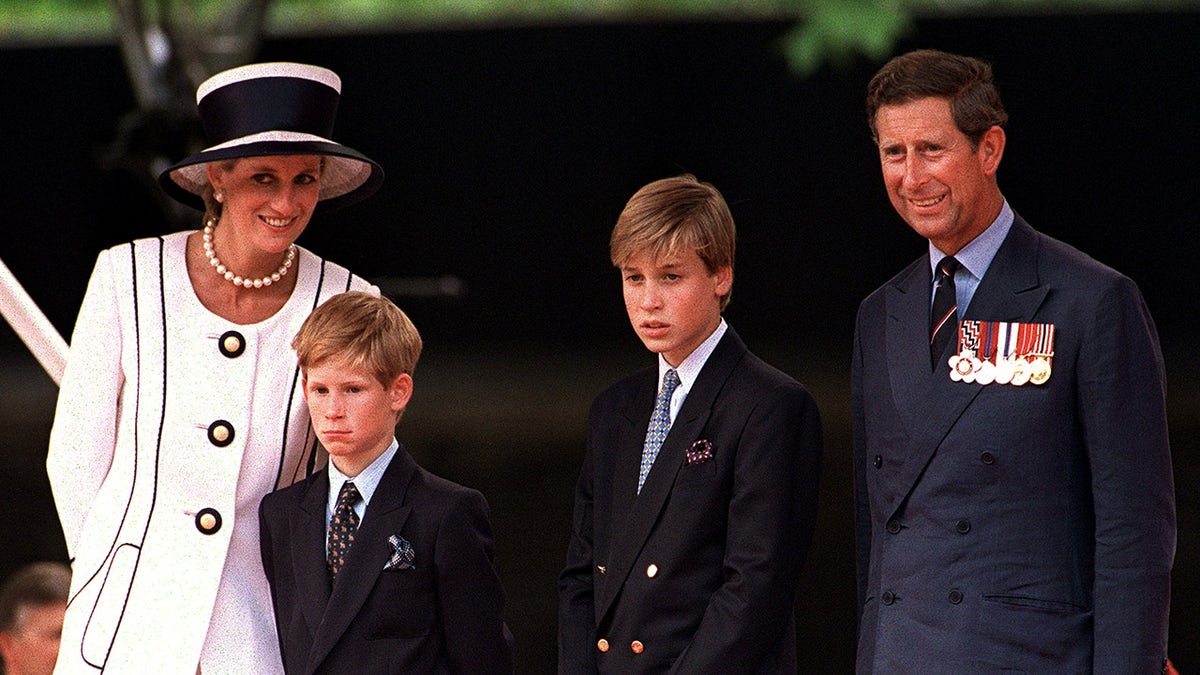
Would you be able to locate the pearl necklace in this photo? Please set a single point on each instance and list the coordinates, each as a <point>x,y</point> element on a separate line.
<point>235,279</point>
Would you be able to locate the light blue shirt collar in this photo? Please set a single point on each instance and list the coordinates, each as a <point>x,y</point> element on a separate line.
<point>366,482</point>
<point>690,368</point>
<point>975,258</point>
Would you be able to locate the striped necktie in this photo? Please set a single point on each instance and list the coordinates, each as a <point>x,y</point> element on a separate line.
<point>943,324</point>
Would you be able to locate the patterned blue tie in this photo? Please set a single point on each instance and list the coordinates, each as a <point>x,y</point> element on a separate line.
<point>342,527</point>
<point>660,424</point>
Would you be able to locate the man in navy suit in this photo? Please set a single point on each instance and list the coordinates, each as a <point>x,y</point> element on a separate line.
<point>1015,505</point>
<point>697,498</point>
<point>376,565</point>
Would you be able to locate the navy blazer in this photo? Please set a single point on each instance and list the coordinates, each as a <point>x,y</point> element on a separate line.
<point>1027,528</point>
<point>444,615</point>
<point>697,574</point>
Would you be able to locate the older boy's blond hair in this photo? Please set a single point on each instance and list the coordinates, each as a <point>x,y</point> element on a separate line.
<point>673,215</point>
<point>368,331</point>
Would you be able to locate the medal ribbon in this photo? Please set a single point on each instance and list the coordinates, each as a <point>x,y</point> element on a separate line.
<point>1006,340</point>
<point>1033,339</point>
<point>988,329</point>
<point>968,336</point>
<point>1023,343</point>
<point>1045,340</point>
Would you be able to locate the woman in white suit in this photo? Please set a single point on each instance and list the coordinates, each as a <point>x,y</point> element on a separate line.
<point>180,405</point>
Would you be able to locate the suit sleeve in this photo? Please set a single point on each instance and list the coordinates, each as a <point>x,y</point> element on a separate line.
<point>267,549</point>
<point>84,434</point>
<point>772,513</point>
<point>576,602</point>
<point>862,502</point>
<point>469,590</point>
<point>1122,404</point>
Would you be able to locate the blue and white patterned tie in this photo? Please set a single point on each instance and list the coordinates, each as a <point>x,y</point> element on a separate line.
<point>660,424</point>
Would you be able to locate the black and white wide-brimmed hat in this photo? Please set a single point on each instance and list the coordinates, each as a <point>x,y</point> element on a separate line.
<point>274,109</point>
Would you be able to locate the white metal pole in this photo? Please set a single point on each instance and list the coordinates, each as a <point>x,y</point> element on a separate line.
<point>32,326</point>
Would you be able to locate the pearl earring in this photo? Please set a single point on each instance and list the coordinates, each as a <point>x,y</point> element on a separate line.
<point>219,195</point>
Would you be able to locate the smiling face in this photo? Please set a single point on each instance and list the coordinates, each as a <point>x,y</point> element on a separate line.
<point>941,186</point>
<point>673,301</point>
<point>268,202</point>
<point>353,413</point>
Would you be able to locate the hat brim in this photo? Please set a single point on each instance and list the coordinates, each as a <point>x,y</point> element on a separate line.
<point>347,177</point>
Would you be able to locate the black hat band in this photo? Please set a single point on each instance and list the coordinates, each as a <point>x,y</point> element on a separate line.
<point>275,103</point>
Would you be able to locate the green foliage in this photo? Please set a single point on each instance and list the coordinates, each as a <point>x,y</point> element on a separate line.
<point>835,31</point>
<point>61,19</point>
<point>827,31</point>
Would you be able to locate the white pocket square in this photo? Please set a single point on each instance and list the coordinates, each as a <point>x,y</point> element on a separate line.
<point>402,557</point>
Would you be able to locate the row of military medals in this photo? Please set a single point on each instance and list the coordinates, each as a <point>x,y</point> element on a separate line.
<point>1004,352</point>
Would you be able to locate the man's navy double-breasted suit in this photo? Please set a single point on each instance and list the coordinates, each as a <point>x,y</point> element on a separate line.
<point>1026,528</point>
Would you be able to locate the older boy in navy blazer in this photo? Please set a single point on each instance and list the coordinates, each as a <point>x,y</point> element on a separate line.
<point>697,498</point>
<point>376,565</point>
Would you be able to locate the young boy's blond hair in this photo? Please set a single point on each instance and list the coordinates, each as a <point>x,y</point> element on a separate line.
<point>368,331</point>
<point>673,215</point>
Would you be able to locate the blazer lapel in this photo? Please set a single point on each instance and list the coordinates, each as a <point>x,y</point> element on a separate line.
<point>641,513</point>
<point>385,516</point>
<point>1011,290</point>
<point>932,403</point>
<point>308,560</point>
<point>623,491</point>
<point>907,342</point>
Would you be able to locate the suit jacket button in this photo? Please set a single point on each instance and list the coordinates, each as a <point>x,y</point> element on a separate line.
<point>893,526</point>
<point>220,433</point>
<point>963,526</point>
<point>231,344</point>
<point>637,647</point>
<point>208,521</point>
<point>878,461</point>
<point>987,458</point>
<point>888,597</point>
<point>956,596</point>
<point>602,644</point>
<point>652,571</point>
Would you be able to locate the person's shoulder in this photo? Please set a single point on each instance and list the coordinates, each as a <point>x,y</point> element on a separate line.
<point>902,278</point>
<point>442,496</point>
<point>1084,282</point>
<point>147,243</point>
<point>752,366</point>
<point>291,496</point>
<point>436,483</point>
<point>624,389</point>
<point>422,481</point>
<point>769,381</point>
<point>1060,261</point>
<point>334,275</point>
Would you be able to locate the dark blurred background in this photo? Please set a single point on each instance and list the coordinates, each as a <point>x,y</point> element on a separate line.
<point>509,154</point>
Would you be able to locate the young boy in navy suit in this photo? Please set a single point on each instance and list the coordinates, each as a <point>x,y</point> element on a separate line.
<point>376,565</point>
<point>698,494</point>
